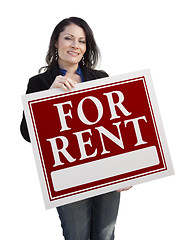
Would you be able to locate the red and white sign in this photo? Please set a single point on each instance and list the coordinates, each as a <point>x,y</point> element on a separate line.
<point>104,135</point>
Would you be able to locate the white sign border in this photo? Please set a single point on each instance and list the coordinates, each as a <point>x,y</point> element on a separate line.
<point>84,87</point>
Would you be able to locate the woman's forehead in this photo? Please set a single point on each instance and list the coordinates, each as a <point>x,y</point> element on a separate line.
<point>73,30</point>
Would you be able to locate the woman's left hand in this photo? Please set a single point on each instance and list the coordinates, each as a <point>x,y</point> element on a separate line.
<point>124,189</point>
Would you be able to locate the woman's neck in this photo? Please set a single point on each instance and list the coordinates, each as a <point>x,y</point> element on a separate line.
<point>70,68</point>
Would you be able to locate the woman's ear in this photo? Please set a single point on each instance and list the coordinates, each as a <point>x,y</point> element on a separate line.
<point>56,44</point>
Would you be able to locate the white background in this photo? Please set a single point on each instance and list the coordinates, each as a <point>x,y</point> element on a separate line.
<point>132,35</point>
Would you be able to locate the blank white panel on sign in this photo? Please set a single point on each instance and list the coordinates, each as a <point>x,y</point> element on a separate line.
<point>107,167</point>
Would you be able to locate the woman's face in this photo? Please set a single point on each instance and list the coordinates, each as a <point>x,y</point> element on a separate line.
<point>71,45</point>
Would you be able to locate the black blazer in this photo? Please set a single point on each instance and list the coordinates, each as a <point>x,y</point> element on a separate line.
<point>43,81</point>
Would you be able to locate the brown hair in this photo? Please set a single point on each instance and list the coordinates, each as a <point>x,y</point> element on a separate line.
<point>92,53</point>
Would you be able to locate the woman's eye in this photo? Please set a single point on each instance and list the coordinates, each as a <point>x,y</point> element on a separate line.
<point>68,38</point>
<point>82,41</point>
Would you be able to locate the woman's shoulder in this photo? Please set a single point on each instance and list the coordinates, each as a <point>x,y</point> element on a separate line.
<point>39,76</point>
<point>98,72</point>
<point>39,82</point>
<point>91,74</point>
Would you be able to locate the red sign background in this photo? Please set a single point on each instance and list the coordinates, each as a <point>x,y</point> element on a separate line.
<point>103,135</point>
<point>47,125</point>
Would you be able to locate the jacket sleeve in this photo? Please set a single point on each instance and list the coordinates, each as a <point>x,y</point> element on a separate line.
<point>35,84</point>
<point>24,129</point>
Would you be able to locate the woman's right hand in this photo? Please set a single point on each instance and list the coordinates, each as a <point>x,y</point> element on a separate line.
<point>63,82</point>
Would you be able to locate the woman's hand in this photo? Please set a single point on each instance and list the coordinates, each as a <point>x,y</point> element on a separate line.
<point>124,189</point>
<point>66,83</point>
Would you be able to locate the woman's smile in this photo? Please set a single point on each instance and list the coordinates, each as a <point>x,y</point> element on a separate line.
<point>74,54</point>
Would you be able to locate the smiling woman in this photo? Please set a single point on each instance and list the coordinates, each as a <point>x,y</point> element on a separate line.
<point>71,59</point>
<point>70,47</point>
<point>91,55</point>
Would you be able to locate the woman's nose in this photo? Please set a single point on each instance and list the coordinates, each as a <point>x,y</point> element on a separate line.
<point>74,44</point>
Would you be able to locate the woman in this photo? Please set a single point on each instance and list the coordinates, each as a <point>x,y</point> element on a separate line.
<point>71,59</point>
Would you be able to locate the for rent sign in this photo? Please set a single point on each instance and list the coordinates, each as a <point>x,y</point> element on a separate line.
<point>103,135</point>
